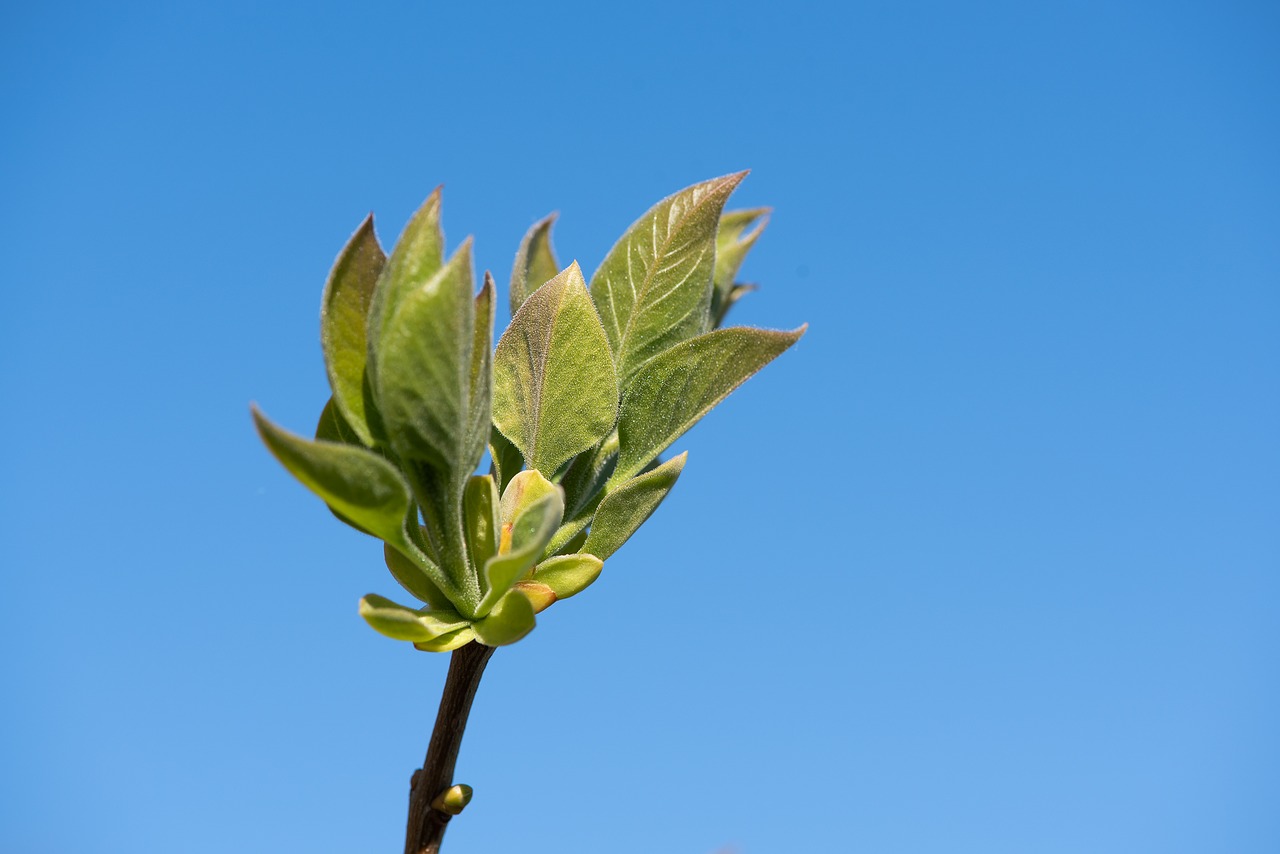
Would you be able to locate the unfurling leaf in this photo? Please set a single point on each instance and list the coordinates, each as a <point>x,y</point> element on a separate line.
<point>401,623</point>
<point>511,619</point>
<point>654,288</point>
<point>677,388</point>
<point>448,642</point>
<point>568,574</point>
<point>555,392</point>
<point>626,508</point>
<point>733,241</point>
<point>344,312</point>
<point>505,459</point>
<point>736,293</point>
<point>531,509</point>
<point>535,263</point>
<point>414,579</point>
<point>480,510</point>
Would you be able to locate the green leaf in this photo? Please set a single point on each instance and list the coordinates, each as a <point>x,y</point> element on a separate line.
<point>417,256</point>
<point>654,288</point>
<point>676,389</point>
<point>414,579</point>
<point>357,483</point>
<point>362,488</point>
<point>535,263</point>
<point>482,368</point>
<point>401,623</point>
<point>733,242</point>
<point>531,509</point>
<point>625,509</point>
<point>568,574</point>
<point>587,475</point>
<point>344,312</point>
<point>511,619</point>
<point>736,293</point>
<point>448,642</point>
<point>555,392</point>
<point>505,459</point>
<point>424,369</point>
<point>332,427</point>
<point>480,509</point>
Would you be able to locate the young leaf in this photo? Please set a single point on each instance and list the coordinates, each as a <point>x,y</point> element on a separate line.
<point>720,311</point>
<point>587,475</point>
<point>344,312</point>
<point>528,521</point>
<point>448,642</point>
<point>540,596</point>
<point>413,578</point>
<point>733,242</point>
<point>680,386</point>
<point>568,574</point>
<point>555,392</point>
<point>505,459</point>
<point>417,256</point>
<point>535,263</point>
<point>511,619</point>
<point>482,368</point>
<point>424,370</point>
<point>654,288</point>
<point>401,623</point>
<point>480,509</point>
<point>625,509</point>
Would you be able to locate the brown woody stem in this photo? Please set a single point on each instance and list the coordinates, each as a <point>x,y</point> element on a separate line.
<point>426,824</point>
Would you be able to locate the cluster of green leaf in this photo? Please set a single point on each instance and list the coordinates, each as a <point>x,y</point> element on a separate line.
<point>586,388</point>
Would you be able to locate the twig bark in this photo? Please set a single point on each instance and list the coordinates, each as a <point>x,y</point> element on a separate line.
<point>426,824</point>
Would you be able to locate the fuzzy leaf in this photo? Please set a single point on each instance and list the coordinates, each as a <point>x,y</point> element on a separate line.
<point>357,483</point>
<point>654,288</point>
<point>568,574</point>
<point>424,370</point>
<point>505,459</point>
<point>511,619</point>
<point>417,256</point>
<point>529,518</point>
<point>482,366</point>
<point>401,623</point>
<point>676,389</point>
<point>626,508</point>
<point>555,392</point>
<point>480,509</point>
<point>344,312</point>
<point>587,475</point>
<point>733,241</point>
<point>736,293</point>
<point>448,642</point>
<point>413,579</point>
<point>535,263</point>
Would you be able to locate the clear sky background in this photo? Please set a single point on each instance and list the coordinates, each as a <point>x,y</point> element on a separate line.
<point>989,562</point>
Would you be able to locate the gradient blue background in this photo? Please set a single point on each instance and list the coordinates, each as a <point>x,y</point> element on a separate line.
<point>988,563</point>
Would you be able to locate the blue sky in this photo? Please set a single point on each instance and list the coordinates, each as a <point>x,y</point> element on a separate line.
<point>988,562</point>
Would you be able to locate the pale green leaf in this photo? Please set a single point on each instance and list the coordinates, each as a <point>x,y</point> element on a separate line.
<point>568,574</point>
<point>448,642</point>
<point>527,525</point>
<point>587,475</point>
<point>677,388</point>
<point>654,287</point>
<point>555,392</point>
<point>344,313</point>
<point>480,510</point>
<point>626,508</point>
<point>535,263</point>
<point>511,619</point>
<point>401,623</point>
